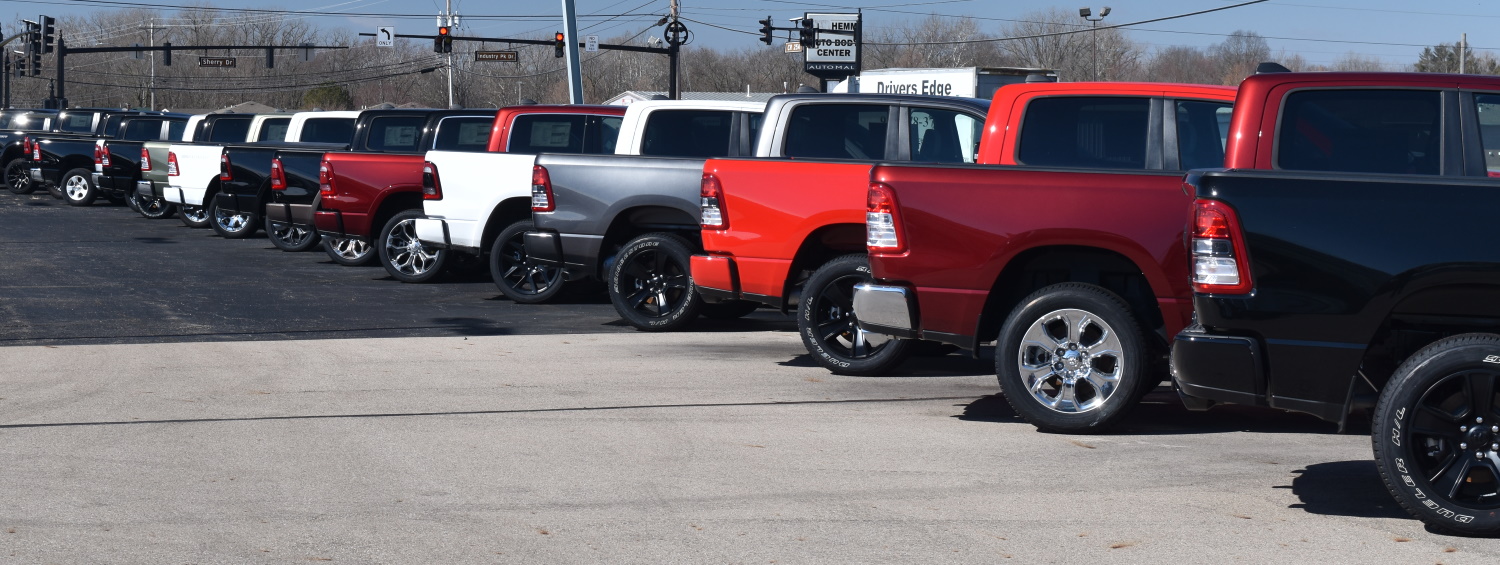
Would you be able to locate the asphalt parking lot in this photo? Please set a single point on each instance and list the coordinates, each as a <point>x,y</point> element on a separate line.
<point>170,397</point>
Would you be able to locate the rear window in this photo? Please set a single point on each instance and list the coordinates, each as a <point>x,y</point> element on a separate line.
<point>328,130</point>
<point>838,131</point>
<point>564,133</point>
<point>1085,132</point>
<point>395,133</point>
<point>80,122</point>
<point>464,133</point>
<point>229,130</point>
<point>141,130</point>
<point>687,133</point>
<point>273,129</point>
<point>175,129</point>
<point>1361,131</point>
<point>1202,133</point>
<point>943,136</point>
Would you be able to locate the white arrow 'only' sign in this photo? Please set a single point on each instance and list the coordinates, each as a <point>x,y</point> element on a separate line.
<point>385,36</point>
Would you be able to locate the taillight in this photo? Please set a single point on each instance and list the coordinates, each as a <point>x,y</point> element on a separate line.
<point>224,174</point>
<point>278,176</point>
<point>541,190</point>
<point>172,164</point>
<point>1219,260</point>
<point>101,154</point>
<point>711,203</point>
<point>325,179</point>
<point>145,159</point>
<point>882,220</point>
<point>36,149</point>
<point>432,186</point>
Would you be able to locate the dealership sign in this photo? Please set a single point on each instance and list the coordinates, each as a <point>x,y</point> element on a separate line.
<point>835,52</point>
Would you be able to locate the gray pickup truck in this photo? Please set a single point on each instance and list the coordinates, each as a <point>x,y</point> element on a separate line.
<point>586,208</point>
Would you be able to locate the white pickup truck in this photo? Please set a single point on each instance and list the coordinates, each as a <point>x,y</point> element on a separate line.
<point>193,168</point>
<point>482,202</point>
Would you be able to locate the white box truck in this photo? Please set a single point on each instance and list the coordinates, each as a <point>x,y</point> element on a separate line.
<point>970,82</point>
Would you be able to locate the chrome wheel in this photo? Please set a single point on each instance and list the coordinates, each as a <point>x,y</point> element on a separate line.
<point>76,187</point>
<point>1070,360</point>
<point>290,235</point>
<point>349,249</point>
<point>406,252</point>
<point>230,222</point>
<point>194,214</point>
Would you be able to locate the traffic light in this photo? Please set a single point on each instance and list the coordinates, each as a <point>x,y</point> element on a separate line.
<point>166,56</point>
<point>808,34</point>
<point>33,63</point>
<point>557,44</point>
<point>49,33</point>
<point>443,43</point>
<point>766,29</point>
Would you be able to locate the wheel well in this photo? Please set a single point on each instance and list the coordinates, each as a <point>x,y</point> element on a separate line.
<point>1404,333</point>
<point>821,246</point>
<point>509,211</point>
<point>1042,266</point>
<point>11,153</point>
<point>76,162</point>
<point>210,192</point>
<point>631,223</point>
<point>392,205</point>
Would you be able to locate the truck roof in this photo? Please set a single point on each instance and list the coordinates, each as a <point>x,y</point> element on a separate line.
<point>781,99</point>
<point>648,105</point>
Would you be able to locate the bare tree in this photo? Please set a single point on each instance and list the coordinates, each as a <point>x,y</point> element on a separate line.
<point>1051,39</point>
<point>1181,64</point>
<point>1237,56</point>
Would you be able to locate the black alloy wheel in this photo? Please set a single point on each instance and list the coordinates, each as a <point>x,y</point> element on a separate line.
<point>288,237</point>
<point>18,176</point>
<point>151,208</point>
<point>514,273</point>
<point>651,283</point>
<point>830,330</point>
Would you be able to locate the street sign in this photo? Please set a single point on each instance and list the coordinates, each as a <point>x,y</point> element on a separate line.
<point>385,36</point>
<point>837,46</point>
<point>223,62</point>
<point>793,47</point>
<point>497,56</point>
<point>591,43</point>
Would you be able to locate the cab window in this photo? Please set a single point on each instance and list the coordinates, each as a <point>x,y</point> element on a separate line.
<point>838,131</point>
<point>395,133</point>
<point>1085,132</point>
<point>564,133</point>
<point>1361,131</point>
<point>687,133</point>
<point>943,136</point>
<point>328,130</point>
<point>464,133</point>
<point>1202,133</point>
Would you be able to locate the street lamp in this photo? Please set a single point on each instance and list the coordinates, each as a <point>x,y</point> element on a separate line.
<point>1085,13</point>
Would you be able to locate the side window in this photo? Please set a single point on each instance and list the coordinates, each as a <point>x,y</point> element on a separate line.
<point>79,122</point>
<point>838,131</point>
<point>463,133</point>
<point>141,130</point>
<point>1361,131</point>
<point>943,136</point>
<point>175,129</point>
<point>756,118</point>
<point>274,129</point>
<point>547,133</point>
<point>687,133</point>
<point>230,131</point>
<point>328,130</point>
<point>395,133</point>
<point>1085,132</point>
<point>604,134</point>
<point>1488,106</point>
<point>1202,133</point>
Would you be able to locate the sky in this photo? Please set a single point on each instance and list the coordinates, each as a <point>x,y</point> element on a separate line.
<point>1322,31</point>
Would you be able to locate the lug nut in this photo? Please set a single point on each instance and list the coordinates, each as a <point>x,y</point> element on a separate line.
<point>1495,429</point>
<point>1479,455</point>
<point>1463,445</point>
<point>1463,429</point>
<point>1479,420</point>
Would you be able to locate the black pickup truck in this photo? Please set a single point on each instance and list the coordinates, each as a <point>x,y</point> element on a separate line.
<point>67,157</point>
<point>15,126</point>
<point>245,178</point>
<point>387,150</point>
<point>1340,263</point>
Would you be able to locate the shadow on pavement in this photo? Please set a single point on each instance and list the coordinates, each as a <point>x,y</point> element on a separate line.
<point>1160,413</point>
<point>1344,488</point>
<point>472,326</point>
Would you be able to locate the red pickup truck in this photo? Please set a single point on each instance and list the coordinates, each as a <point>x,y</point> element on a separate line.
<point>367,194</point>
<point>793,230</point>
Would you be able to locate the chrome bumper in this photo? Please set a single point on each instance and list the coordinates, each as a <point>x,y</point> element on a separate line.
<point>885,309</point>
<point>36,175</point>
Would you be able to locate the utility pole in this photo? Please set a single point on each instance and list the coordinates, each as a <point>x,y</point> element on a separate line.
<point>575,73</point>
<point>1463,53</point>
<point>676,35</point>
<point>151,33</point>
<point>448,21</point>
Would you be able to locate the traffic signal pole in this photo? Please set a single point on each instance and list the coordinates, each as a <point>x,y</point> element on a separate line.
<point>575,72</point>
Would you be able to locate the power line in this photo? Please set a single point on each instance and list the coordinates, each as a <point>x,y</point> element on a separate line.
<point>1085,30</point>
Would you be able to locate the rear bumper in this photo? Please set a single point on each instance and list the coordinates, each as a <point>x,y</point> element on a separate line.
<point>885,309</point>
<point>147,189</point>
<point>1219,368</point>
<point>544,248</point>
<point>115,185</point>
<point>183,195</point>
<point>715,277</point>
<point>448,234</point>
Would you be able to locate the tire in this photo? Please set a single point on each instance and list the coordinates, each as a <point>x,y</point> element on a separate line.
<point>130,202</point>
<point>651,283</point>
<point>405,257</point>
<point>78,187</point>
<point>348,251</point>
<point>1437,435</point>
<point>229,225</point>
<point>18,176</point>
<point>1090,334</point>
<point>518,278</point>
<point>728,309</point>
<point>829,329</point>
<point>152,208</point>
<point>195,217</point>
<point>287,237</point>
